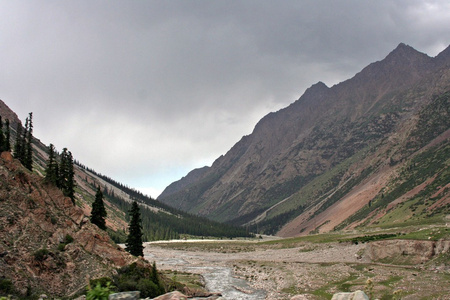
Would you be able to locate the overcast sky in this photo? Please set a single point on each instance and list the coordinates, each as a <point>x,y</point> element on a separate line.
<point>145,91</point>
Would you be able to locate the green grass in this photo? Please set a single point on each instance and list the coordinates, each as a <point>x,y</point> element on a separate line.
<point>314,238</point>
<point>433,234</point>
<point>390,282</point>
<point>342,285</point>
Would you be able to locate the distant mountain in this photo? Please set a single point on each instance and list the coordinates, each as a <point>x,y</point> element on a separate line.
<point>320,163</point>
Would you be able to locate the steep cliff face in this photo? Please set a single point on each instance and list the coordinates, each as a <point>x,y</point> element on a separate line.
<point>48,245</point>
<point>334,131</point>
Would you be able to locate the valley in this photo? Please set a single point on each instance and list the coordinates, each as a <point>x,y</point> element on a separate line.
<point>312,267</point>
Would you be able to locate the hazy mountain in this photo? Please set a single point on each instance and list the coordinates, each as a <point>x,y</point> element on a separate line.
<point>332,152</point>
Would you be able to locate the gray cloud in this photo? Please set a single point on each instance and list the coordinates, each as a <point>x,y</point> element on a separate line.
<point>146,91</point>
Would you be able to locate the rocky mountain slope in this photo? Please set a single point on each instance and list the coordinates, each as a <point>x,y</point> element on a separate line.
<point>337,157</point>
<point>48,245</point>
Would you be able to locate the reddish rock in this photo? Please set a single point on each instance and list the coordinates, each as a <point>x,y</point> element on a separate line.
<point>36,216</point>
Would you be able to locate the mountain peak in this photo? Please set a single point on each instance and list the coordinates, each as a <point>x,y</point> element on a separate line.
<point>404,53</point>
<point>444,57</point>
<point>316,89</point>
<point>402,49</point>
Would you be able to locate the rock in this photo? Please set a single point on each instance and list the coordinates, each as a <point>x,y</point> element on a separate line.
<point>357,295</point>
<point>172,296</point>
<point>406,251</point>
<point>299,297</point>
<point>7,156</point>
<point>134,295</point>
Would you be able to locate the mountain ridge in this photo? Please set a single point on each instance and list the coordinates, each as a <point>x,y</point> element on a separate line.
<point>325,126</point>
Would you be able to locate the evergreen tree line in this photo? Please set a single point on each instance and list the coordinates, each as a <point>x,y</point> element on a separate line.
<point>163,225</point>
<point>153,228</point>
<point>133,193</point>
<point>61,173</point>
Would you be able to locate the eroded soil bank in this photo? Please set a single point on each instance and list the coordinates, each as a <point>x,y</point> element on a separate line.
<point>314,270</point>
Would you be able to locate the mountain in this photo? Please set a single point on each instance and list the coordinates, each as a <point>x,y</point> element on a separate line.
<point>317,164</point>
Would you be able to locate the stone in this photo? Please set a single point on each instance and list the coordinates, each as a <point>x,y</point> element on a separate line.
<point>299,297</point>
<point>176,295</point>
<point>134,295</point>
<point>357,295</point>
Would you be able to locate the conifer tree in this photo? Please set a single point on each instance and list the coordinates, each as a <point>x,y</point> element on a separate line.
<point>8,136</point>
<point>28,139</point>
<point>134,239</point>
<point>18,145</point>
<point>98,213</point>
<point>2,137</point>
<point>66,175</point>
<point>154,274</point>
<point>52,170</point>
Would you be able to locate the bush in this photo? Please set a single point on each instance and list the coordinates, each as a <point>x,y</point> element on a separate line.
<point>103,281</point>
<point>61,247</point>
<point>41,254</point>
<point>134,277</point>
<point>148,288</point>
<point>99,292</point>
<point>68,239</point>
<point>6,286</point>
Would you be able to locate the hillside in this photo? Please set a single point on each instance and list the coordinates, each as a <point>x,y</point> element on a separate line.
<point>372,150</point>
<point>48,245</point>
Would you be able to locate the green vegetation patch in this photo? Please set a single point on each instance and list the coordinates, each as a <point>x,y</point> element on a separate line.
<point>370,238</point>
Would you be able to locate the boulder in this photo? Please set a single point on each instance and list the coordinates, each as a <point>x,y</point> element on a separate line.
<point>357,295</point>
<point>176,295</point>
<point>134,295</point>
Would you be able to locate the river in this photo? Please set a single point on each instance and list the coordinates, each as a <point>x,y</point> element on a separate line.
<point>217,275</point>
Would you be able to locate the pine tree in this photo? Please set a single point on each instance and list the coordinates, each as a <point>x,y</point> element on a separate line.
<point>154,274</point>
<point>134,239</point>
<point>52,170</point>
<point>8,136</point>
<point>2,137</point>
<point>28,139</point>
<point>66,175</point>
<point>98,213</point>
<point>18,145</point>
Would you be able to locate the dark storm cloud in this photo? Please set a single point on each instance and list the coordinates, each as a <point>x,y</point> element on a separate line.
<point>146,90</point>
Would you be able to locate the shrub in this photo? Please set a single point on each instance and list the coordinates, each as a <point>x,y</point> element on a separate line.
<point>134,277</point>
<point>103,281</point>
<point>6,286</point>
<point>99,292</point>
<point>41,254</point>
<point>68,239</point>
<point>61,247</point>
<point>148,288</point>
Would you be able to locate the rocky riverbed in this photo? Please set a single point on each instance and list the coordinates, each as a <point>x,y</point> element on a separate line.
<point>248,270</point>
